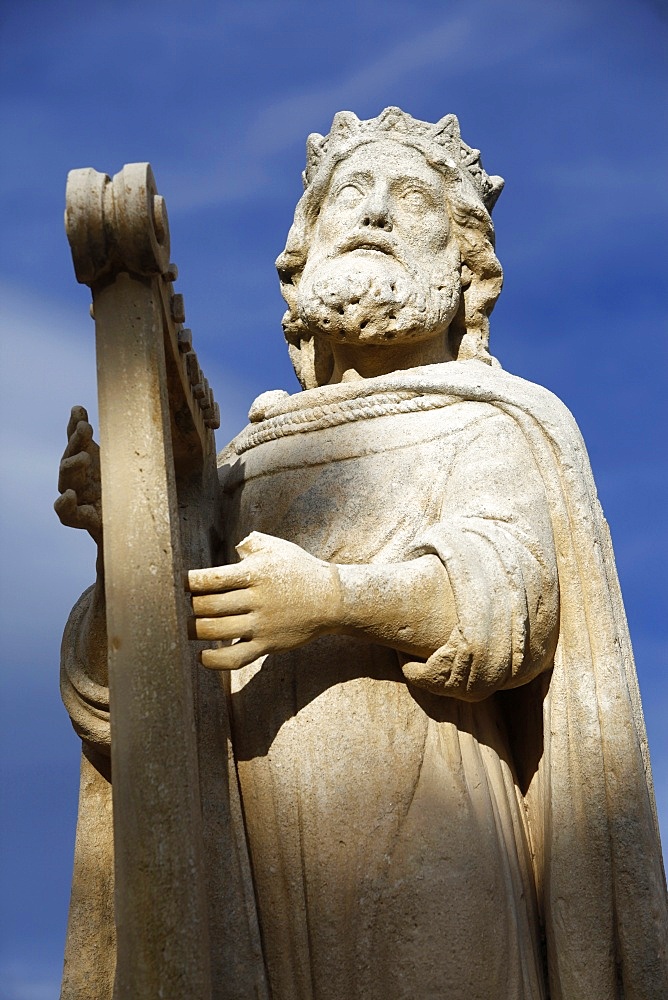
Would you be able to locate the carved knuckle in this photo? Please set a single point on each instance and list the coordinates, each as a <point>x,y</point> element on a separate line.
<point>254,626</point>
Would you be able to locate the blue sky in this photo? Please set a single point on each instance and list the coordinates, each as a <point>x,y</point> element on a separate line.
<point>565,99</point>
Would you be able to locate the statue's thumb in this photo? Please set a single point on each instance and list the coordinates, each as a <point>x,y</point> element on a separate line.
<point>250,544</point>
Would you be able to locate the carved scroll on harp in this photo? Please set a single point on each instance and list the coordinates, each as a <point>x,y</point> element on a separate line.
<point>121,224</point>
<point>157,417</point>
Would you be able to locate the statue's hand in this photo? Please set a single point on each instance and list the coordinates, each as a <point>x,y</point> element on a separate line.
<point>79,503</point>
<point>277,598</point>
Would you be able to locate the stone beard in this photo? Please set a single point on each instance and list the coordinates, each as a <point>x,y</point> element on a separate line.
<point>370,295</point>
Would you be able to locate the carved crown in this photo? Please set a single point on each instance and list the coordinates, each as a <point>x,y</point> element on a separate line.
<point>444,136</point>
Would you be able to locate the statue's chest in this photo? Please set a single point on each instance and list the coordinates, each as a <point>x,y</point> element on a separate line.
<point>355,492</point>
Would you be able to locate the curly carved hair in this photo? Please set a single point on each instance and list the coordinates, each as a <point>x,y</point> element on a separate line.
<point>471,227</point>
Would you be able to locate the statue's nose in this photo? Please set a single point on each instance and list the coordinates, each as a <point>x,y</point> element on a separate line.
<point>377,214</point>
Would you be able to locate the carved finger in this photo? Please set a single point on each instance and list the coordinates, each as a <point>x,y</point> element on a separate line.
<point>75,515</point>
<point>77,415</point>
<point>218,579</point>
<point>232,657</point>
<point>233,602</point>
<point>73,471</point>
<point>66,508</point>
<point>80,439</point>
<point>233,627</point>
<point>90,520</point>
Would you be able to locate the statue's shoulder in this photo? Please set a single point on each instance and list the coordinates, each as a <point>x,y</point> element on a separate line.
<point>266,403</point>
<point>536,399</point>
<point>526,403</point>
<point>225,462</point>
<point>491,383</point>
<point>227,455</point>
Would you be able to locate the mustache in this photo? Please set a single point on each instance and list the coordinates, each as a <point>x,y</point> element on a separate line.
<point>378,241</point>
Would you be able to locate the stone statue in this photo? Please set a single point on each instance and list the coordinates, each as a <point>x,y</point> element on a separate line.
<point>439,781</point>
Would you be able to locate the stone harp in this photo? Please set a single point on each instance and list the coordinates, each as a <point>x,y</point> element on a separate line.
<point>157,416</point>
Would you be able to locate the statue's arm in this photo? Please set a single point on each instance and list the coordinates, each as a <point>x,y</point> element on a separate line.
<point>83,669</point>
<point>280,597</point>
<point>474,610</point>
<point>495,541</point>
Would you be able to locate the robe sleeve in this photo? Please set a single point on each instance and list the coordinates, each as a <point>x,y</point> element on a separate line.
<point>86,700</point>
<point>494,538</point>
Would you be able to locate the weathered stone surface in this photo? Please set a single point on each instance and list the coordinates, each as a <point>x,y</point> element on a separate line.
<point>435,768</point>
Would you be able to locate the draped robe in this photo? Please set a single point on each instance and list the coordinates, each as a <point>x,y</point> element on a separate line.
<point>479,824</point>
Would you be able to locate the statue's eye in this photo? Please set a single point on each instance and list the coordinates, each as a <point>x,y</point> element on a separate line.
<point>414,198</point>
<point>349,194</point>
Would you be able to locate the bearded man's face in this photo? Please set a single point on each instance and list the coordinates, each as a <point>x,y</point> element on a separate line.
<point>380,265</point>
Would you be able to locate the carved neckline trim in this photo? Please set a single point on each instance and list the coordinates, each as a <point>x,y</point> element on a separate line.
<point>327,414</point>
<point>277,414</point>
